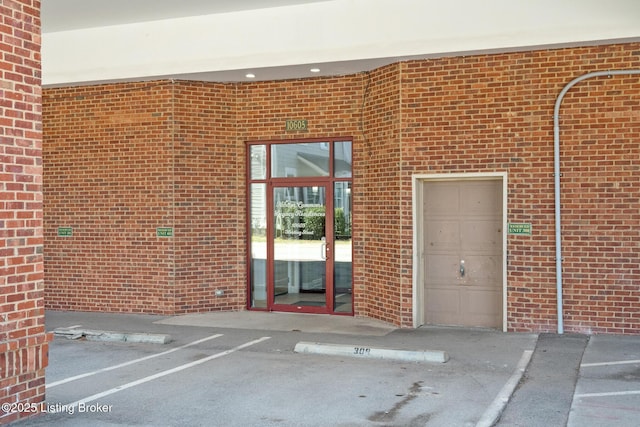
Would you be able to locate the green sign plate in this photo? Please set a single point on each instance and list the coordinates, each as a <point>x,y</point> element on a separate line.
<point>164,232</point>
<point>65,231</point>
<point>522,228</point>
<point>299,125</point>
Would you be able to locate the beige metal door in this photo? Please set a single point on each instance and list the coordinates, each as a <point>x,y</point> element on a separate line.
<point>463,252</point>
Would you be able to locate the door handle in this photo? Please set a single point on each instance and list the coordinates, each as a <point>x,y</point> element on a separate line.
<point>323,249</point>
<point>462,268</point>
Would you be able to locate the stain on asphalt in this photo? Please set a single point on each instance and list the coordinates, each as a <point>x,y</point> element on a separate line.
<point>390,415</point>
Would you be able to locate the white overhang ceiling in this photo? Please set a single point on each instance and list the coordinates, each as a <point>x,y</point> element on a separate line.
<point>95,41</point>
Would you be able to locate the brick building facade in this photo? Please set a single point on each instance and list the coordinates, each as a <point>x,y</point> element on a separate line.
<point>123,160</point>
<point>23,341</point>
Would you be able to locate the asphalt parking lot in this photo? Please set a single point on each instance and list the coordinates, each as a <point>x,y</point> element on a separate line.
<point>240,369</point>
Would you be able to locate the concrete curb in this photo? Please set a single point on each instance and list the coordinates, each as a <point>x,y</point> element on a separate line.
<point>110,336</point>
<point>493,412</point>
<point>364,352</point>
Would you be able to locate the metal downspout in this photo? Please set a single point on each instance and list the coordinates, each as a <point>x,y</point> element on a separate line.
<point>556,174</point>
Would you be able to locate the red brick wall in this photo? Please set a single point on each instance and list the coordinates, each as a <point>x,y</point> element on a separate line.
<point>600,148</point>
<point>482,113</point>
<point>490,113</point>
<point>108,169</point>
<point>23,341</point>
<point>122,160</point>
<point>209,199</point>
<point>380,171</point>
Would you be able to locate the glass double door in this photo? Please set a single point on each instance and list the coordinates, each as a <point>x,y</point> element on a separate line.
<point>307,249</point>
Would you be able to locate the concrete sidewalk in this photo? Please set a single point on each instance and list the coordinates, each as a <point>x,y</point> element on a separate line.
<point>283,322</point>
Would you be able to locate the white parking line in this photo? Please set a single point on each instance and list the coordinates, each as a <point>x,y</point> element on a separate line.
<point>131,362</point>
<point>162,374</point>
<point>612,393</point>
<point>620,362</point>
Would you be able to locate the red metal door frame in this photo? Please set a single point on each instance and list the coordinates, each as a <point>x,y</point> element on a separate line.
<point>329,184</point>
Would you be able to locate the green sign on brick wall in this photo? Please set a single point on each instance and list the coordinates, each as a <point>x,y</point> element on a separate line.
<point>523,228</point>
<point>296,125</point>
<point>65,231</point>
<point>164,232</point>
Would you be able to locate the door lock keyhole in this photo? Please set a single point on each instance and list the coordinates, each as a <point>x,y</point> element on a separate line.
<point>462,268</point>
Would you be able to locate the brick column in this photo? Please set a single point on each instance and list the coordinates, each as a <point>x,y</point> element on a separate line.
<point>23,340</point>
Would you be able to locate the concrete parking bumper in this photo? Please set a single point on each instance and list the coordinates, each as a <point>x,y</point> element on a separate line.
<point>112,336</point>
<point>366,352</point>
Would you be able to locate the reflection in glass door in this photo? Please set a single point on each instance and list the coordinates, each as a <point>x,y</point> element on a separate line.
<point>342,248</point>
<point>300,248</point>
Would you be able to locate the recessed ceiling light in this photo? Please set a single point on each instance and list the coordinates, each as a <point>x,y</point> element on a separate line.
<point>250,76</point>
<point>315,70</point>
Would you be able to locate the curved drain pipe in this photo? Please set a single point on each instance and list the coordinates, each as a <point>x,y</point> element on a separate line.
<point>556,174</point>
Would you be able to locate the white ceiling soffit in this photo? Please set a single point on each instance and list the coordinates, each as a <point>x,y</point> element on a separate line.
<point>99,41</point>
<point>65,15</point>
